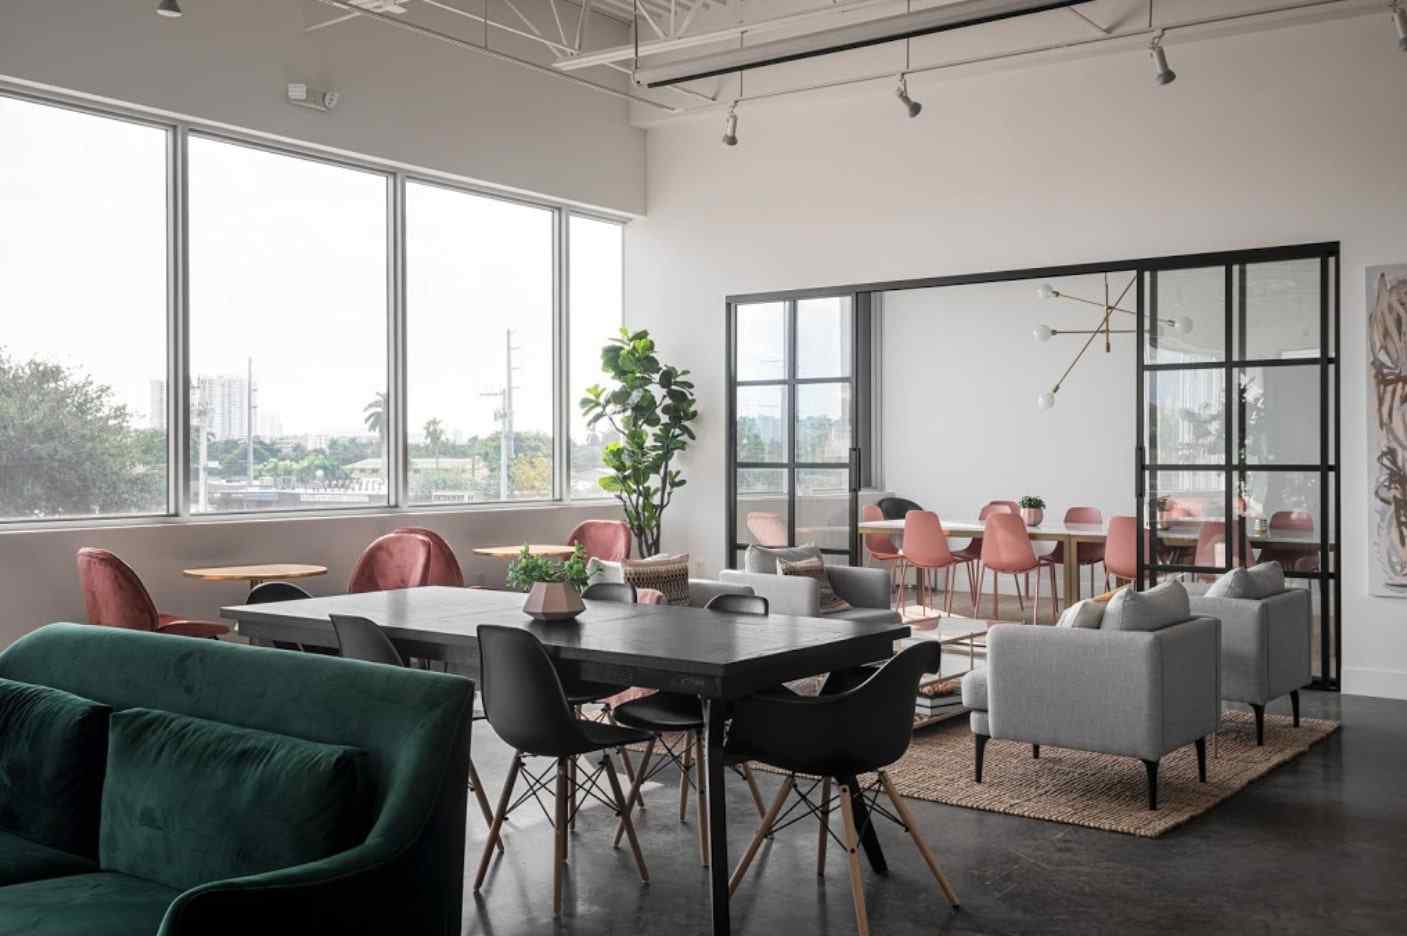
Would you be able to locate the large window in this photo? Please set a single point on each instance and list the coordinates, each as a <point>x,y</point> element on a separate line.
<point>83,311</point>
<point>595,301</point>
<point>479,371</point>
<point>288,313</point>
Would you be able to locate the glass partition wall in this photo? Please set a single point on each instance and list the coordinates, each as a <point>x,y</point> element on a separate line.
<point>1234,405</point>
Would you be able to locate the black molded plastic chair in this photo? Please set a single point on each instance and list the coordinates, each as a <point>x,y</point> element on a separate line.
<point>622,592</point>
<point>896,508</point>
<point>527,707</point>
<point>265,592</point>
<point>667,715</point>
<point>361,639</point>
<point>838,735</point>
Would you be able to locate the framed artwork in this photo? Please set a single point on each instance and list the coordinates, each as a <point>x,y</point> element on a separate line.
<point>1387,429</point>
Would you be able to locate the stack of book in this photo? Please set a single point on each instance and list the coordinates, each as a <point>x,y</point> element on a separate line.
<point>937,696</point>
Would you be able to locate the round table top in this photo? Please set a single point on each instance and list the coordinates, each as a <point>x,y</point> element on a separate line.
<point>534,549</point>
<point>263,573</point>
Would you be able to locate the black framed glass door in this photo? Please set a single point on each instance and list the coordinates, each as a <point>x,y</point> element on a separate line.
<point>1238,424</point>
<point>793,415</point>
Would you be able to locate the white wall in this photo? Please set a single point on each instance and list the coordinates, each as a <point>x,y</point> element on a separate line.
<point>1283,137</point>
<point>405,97</point>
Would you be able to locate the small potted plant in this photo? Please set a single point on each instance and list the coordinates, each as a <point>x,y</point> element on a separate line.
<point>1032,510</point>
<point>553,586</point>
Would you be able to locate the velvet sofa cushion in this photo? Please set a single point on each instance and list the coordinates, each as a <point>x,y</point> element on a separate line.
<point>22,860</point>
<point>85,905</point>
<point>53,746</point>
<point>188,801</point>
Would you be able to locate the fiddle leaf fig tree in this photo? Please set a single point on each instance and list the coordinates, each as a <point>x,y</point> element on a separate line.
<point>650,406</point>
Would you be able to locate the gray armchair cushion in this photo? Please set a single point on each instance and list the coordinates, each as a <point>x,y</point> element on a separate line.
<point>1150,610</point>
<point>785,594</point>
<point>863,588</point>
<point>1265,644</point>
<point>764,558</point>
<point>974,690</point>
<point>1265,580</point>
<point>1230,584</point>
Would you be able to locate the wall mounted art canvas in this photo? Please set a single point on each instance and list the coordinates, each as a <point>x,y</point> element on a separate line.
<point>1387,429</point>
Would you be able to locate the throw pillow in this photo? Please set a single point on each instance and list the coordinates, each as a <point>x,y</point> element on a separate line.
<point>1149,610</point>
<point>1088,614</point>
<point>188,801</point>
<point>1232,584</point>
<point>1265,579</point>
<point>600,570</point>
<point>664,573</point>
<point>815,568</point>
<point>764,558</point>
<point>53,746</point>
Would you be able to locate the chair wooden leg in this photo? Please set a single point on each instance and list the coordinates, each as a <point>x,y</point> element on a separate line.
<point>701,811</point>
<point>996,597</point>
<point>1021,593</point>
<point>1036,602</point>
<point>825,827</point>
<point>624,815</point>
<point>686,765</point>
<point>948,591</point>
<point>559,852</point>
<point>496,829</point>
<point>635,799</point>
<point>977,592</point>
<point>902,808</point>
<point>764,830</point>
<point>482,799</point>
<point>571,792</point>
<point>1054,596</point>
<point>857,883</point>
<point>752,787</point>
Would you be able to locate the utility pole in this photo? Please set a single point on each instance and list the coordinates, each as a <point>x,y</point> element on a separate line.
<point>504,415</point>
<point>249,419</point>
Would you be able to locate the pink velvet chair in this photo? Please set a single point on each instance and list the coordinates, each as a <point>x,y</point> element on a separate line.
<point>1006,548</point>
<point>767,529</point>
<point>607,540</point>
<point>926,549</point>
<point>1211,536</point>
<point>881,548</point>
<point>971,554</point>
<point>396,560</point>
<point>444,566</point>
<point>115,597</point>
<point>1086,554</point>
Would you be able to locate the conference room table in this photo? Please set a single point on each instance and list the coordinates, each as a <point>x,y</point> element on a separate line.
<point>1181,533</point>
<point>714,655</point>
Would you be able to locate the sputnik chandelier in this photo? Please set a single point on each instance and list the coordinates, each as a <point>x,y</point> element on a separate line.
<point>1043,333</point>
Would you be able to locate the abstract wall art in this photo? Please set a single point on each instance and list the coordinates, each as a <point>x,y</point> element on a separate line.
<point>1387,429</point>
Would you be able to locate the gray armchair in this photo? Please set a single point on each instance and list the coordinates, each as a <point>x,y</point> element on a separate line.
<point>1265,648</point>
<point>1136,693</point>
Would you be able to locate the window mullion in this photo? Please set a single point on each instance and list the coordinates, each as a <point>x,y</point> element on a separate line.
<point>397,480</point>
<point>178,471</point>
<point>561,369</point>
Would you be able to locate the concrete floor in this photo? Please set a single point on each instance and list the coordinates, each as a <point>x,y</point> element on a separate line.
<point>1317,846</point>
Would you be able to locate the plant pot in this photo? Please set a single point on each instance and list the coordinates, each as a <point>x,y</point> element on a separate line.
<point>1032,515</point>
<point>553,601</point>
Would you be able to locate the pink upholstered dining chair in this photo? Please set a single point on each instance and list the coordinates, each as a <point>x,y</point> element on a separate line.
<point>396,560</point>
<point>1006,547</point>
<point>1121,550</point>
<point>926,549</point>
<point>444,566</point>
<point>971,554</point>
<point>1300,558</point>
<point>607,540</point>
<point>881,548</point>
<point>114,596</point>
<point>1212,535</point>
<point>1086,554</point>
<point>767,529</point>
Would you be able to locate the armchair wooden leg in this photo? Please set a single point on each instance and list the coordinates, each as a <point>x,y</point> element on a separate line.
<point>752,788</point>
<point>902,807</point>
<point>1295,705</point>
<point>1201,759</point>
<point>559,851</point>
<point>635,798</point>
<point>1259,711</point>
<point>980,747</point>
<point>764,830</point>
<point>701,813</point>
<point>1152,768</point>
<point>496,829</point>
<point>825,818</point>
<point>478,787</point>
<point>1035,752</point>
<point>857,883</point>
<point>624,815</point>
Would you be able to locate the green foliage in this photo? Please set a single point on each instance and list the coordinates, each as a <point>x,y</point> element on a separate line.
<point>374,417</point>
<point>527,570</point>
<point>650,407</point>
<point>1031,502</point>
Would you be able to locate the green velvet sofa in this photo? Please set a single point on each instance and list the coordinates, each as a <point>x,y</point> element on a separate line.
<point>160,759</point>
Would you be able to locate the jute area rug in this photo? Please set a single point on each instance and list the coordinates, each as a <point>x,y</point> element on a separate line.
<point>1098,791</point>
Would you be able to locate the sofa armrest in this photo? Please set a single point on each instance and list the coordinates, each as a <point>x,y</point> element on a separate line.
<point>1130,693</point>
<point>863,588</point>
<point>786,594</point>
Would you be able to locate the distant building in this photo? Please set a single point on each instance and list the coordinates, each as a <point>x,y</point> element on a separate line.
<point>224,400</point>
<point>156,415</point>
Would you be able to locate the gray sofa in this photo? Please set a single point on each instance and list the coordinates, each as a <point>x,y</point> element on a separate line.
<point>1265,648</point>
<point>867,590</point>
<point>1140,687</point>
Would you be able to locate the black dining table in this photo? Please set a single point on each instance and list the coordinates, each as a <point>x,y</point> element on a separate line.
<point>714,655</point>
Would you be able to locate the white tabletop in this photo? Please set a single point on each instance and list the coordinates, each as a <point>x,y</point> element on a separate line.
<point>1179,533</point>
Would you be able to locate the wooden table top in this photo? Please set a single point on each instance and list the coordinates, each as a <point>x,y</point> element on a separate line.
<point>535,549</point>
<point>1180,533</point>
<point>262,572</point>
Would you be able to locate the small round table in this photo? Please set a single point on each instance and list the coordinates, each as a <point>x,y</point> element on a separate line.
<point>534,549</point>
<point>257,574</point>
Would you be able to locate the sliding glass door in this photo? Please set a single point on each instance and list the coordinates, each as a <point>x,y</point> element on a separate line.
<point>1237,422</point>
<point>793,412</point>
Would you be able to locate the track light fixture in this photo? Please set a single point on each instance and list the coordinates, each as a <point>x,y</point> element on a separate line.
<point>1399,16</point>
<point>1163,74</point>
<point>730,126</point>
<point>168,8</point>
<point>914,107</point>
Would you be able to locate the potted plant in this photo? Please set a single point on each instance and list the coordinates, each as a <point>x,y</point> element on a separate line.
<point>553,586</point>
<point>1032,510</point>
<point>650,408</point>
